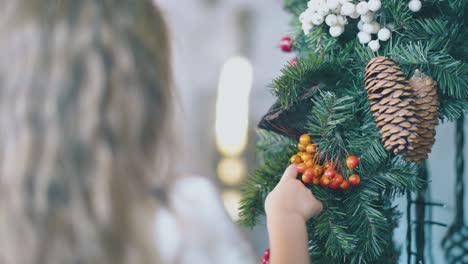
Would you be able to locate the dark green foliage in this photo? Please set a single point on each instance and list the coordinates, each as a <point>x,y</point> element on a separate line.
<point>357,225</point>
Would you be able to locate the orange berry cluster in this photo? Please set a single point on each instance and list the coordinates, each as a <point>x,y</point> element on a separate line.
<point>308,164</point>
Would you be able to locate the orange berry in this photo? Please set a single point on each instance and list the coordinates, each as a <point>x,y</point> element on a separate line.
<point>329,164</point>
<point>311,148</point>
<point>301,167</point>
<point>301,147</point>
<point>318,169</point>
<point>329,173</point>
<point>307,176</point>
<point>295,159</point>
<point>306,157</point>
<point>354,179</point>
<point>344,185</point>
<point>316,180</point>
<point>324,181</point>
<point>305,139</point>
<point>309,163</point>
<point>352,162</point>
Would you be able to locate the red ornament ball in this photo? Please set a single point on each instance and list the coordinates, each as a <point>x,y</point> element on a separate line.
<point>286,44</point>
<point>352,162</point>
<point>354,179</point>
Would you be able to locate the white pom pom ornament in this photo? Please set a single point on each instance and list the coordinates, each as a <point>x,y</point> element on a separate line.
<point>415,5</point>
<point>364,37</point>
<point>384,34</point>
<point>336,31</point>
<point>374,5</point>
<point>331,20</point>
<point>374,45</point>
<point>362,8</point>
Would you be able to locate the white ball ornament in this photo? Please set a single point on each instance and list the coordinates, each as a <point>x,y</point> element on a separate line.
<point>360,24</point>
<point>364,37</point>
<point>367,17</point>
<point>317,19</point>
<point>336,31</point>
<point>376,27</point>
<point>374,45</point>
<point>331,20</point>
<point>384,34</point>
<point>415,5</point>
<point>362,8</point>
<point>368,28</point>
<point>332,4</point>
<point>347,9</point>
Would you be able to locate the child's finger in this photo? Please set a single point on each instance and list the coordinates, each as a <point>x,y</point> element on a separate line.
<point>290,172</point>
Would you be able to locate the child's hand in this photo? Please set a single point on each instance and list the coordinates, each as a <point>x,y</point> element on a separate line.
<point>290,197</point>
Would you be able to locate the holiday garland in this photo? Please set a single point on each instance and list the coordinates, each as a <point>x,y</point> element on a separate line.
<point>326,93</point>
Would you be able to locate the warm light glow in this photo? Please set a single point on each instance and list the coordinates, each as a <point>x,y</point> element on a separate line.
<point>231,203</point>
<point>231,171</point>
<point>232,106</point>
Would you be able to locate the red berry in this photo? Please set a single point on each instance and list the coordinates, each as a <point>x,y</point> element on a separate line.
<point>329,164</point>
<point>311,148</point>
<point>305,139</point>
<point>286,44</point>
<point>329,173</point>
<point>292,62</point>
<point>338,179</point>
<point>301,167</point>
<point>354,179</point>
<point>301,147</point>
<point>324,181</point>
<point>317,170</point>
<point>308,176</point>
<point>345,185</point>
<point>352,162</point>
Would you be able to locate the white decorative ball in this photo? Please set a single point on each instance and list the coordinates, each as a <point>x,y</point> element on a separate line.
<point>368,28</point>
<point>360,24</point>
<point>415,5</point>
<point>374,5</point>
<point>331,20</point>
<point>307,28</point>
<point>317,19</point>
<point>341,20</point>
<point>332,4</point>
<point>376,26</point>
<point>306,16</point>
<point>364,37</point>
<point>354,15</point>
<point>374,45</point>
<point>336,31</point>
<point>323,11</point>
<point>347,9</point>
<point>384,34</point>
<point>367,17</point>
<point>362,8</point>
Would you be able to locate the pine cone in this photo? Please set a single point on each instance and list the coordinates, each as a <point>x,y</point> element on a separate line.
<point>401,110</point>
<point>427,104</point>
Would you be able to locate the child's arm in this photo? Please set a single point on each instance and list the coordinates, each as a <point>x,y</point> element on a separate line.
<point>288,207</point>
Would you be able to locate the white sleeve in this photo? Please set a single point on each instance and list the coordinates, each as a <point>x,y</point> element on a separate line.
<point>201,230</point>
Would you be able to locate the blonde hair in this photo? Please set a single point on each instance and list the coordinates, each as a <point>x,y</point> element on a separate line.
<point>85,105</point>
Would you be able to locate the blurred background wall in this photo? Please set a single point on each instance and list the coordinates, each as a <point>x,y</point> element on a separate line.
<point>207,34</point>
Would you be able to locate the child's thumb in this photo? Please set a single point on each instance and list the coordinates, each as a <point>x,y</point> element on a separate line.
<point>290,173</point>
